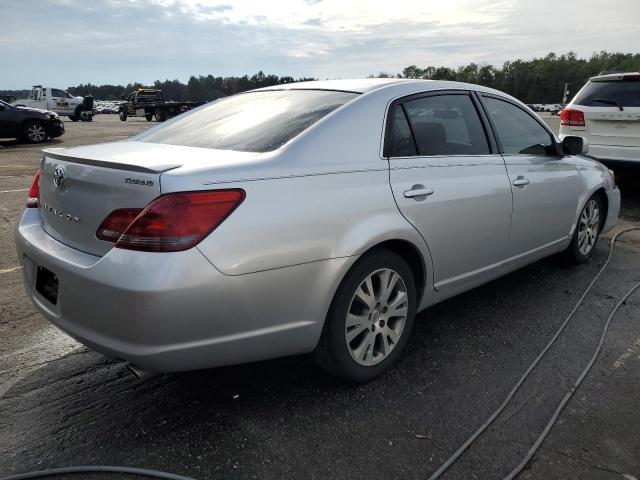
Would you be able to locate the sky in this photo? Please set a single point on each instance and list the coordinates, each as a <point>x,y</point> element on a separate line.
<point>62,43</point>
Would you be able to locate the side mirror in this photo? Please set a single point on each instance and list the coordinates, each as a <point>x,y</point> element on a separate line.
<point>572,145</point>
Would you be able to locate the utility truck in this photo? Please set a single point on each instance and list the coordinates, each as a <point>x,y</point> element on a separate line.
<point>58,101</point>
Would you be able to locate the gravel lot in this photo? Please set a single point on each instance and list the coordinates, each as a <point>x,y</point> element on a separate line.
<point>62,404</point>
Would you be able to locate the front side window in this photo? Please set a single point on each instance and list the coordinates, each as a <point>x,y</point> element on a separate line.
<point>625,93</point>
<point>446,125</point>
<point>58,93</point>
<point>518,132</point>
<point>249,122</point>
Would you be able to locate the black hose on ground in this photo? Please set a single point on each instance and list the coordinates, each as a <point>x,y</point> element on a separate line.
<point>97,469</point>
<point>465,446</point>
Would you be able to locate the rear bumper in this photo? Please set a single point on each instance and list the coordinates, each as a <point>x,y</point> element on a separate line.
<point>172,312</point>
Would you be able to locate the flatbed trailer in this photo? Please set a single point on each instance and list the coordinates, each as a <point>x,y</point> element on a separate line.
<point>150,103</point>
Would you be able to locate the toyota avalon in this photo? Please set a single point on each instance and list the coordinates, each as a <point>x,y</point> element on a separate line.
<point>314,217</point>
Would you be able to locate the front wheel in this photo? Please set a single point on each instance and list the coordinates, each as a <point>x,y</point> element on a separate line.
<point>370,319</point>
<point>148,116</point>
<point>587,231</point>
<point>123,115</point>
<point>34,132</point>
<point>73,118</point>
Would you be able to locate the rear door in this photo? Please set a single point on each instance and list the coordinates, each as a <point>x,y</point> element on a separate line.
<point>545,185</point>
<point>450,183</point>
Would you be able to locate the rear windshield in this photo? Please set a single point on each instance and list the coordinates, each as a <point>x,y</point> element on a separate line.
<point>623,92</point>
<point>249,122</point>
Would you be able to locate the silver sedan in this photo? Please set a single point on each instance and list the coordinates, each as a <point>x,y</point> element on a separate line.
<point>311,217</point>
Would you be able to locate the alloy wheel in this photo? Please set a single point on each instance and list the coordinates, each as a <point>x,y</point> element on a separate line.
<point>588,227</point>
<point>36,133</point>
<point>376,317</point>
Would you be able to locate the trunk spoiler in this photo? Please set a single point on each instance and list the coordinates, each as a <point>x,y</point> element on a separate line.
<point>111,164</point>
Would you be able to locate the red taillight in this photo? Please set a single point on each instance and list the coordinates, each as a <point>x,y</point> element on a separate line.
<point>116,223</point>
<point>172,222</point>
<point>33,197</point>
<point>572,118</point>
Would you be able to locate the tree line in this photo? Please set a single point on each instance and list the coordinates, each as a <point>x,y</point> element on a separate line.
<point>201,88</point>
<point>540,80</point>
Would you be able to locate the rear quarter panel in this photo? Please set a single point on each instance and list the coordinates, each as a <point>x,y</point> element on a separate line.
<point>291,221</point>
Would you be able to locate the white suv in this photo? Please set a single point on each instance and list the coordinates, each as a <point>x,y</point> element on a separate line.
<point>607,111</point>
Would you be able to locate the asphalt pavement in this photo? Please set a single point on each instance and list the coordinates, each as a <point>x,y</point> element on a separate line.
<point>62,404</point>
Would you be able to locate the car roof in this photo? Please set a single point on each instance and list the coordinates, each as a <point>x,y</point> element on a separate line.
<point>614,76</point>
<point>406,86</point>
<point>357,85</point>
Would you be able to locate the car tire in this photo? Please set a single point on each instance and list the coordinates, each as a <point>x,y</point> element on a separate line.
<point>73,118</point>
<point>86,116</point>
<point>161,115</point>
<point>34,131</point>
<point>357,343</point>
<point>123,115</point>
<point>149,117</point>
<point>587,231</point>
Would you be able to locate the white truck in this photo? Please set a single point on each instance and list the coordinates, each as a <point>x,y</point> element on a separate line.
<point>60,102</point>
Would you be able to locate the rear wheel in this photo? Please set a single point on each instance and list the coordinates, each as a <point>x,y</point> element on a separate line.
<point>73,118</point>
<point>370,319</point>
<point>587,231</point>
<point>161,115</point>
<point>149,116</point>
<point>123,115</point>
<point>34,132</point>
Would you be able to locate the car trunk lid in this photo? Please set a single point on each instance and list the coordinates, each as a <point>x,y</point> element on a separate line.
<point>80,187</point>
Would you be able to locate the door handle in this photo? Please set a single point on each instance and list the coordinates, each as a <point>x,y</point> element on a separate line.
<point>521,181</point>
<point>418,191</point>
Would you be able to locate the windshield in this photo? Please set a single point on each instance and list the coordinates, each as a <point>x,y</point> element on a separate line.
<point>625,93</point>
<point>250,122</point>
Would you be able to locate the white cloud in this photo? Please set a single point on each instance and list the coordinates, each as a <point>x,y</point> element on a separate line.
<point>144,40</point>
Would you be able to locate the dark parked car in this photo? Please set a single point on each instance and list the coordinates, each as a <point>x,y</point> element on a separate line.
<point>30,124</point>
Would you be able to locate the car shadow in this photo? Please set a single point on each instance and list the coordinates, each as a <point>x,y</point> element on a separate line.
<point>14,143</point>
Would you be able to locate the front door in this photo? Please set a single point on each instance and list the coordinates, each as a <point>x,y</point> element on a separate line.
<point>450,183</point>
<point>545,185</point>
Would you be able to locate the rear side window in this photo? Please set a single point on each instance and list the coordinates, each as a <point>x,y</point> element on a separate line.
<point>446,125</point>
<point>518,132</point>
<point>402,144</point>
<point>601,94</point>
<point>249,122</point>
